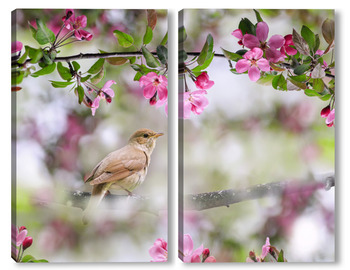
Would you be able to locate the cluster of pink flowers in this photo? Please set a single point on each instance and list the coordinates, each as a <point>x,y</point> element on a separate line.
<point>262,51</point>
<point>195,101</point>
<point>75,25</point>
<point>20,242</point>
<point>105,93</point>
<point>159,252</point>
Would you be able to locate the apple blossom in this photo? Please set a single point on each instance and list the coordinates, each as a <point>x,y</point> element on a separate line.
<point>194,101</point>
<point>253,62</point>
<point>153,85</point>
<point>259,41</point>
<point>159,251</point>
<point>329,114</point>
<point>238,34</point>
<point>16,46</point>
<point>286,48</point>
<point>203,82</point>
<point>72,23</point>
<point>104,93</point>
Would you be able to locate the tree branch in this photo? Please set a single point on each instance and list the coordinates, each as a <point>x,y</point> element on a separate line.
<point>226,197</point>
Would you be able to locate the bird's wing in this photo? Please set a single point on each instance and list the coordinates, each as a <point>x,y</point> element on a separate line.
<point>118,165</point>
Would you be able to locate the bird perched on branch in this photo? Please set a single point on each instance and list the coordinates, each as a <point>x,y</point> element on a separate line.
<point>123,169</point>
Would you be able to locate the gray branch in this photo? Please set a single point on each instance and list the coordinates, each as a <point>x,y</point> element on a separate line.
<point>226,197</point>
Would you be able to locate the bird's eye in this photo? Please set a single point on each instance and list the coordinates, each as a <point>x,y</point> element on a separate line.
<point>145,135</point>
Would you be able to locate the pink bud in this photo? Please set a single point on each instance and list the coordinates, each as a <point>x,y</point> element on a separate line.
<point>27,242</point>
<point>22,228</point>
<point>205,254</point>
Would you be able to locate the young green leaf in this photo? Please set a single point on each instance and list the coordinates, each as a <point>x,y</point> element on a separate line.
<point>64,72</point>
<point>16,77</point>
<point>60,84</point>
<point>76,65</point>
<point>97,66</point>
<point>308,36</point>
<point>45,70</point>
<point>80,90</point>
<point>318,85</point>
<point>247,27</point>
<point>98,77</point>
<point>124,40</point>
<point>164,40</point>
<point>117,61</point>
<point>150,59</point>
<point>280,256</point>
<point>301,69</point>
<point>182,56</point>
<point>258,16</point>
<point>34,54</point>
<point>206,51</point>
<point>43,34</point>
<point>279,82</point>
<point>231,55</point>
<point>147,38</point>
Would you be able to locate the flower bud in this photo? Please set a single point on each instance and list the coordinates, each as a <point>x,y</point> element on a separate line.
<point>27,242</point>
<point>205,254</point>
<point>22,228</point>
<point>325,111</point>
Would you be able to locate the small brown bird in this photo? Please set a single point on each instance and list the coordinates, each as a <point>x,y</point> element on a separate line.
<point>123,169</point>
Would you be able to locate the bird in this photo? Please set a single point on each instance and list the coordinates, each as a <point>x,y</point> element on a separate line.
<point>123,169</point>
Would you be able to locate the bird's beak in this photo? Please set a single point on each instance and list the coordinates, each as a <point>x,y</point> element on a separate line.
<point>158,135</point>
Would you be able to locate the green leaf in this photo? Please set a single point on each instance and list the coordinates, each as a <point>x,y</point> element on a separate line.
<point>147,38</point>
<point>317,43</point>
<point>27,258</point>
<point>299,78</point>
<point>318,85</point>
<point>308,36</point>
<point>241,52</point>
<point>44,71</point>
<point>300,43</point>
<point>40,261</point>
<point>97,66</point>
<point>138,75</point>
<point>301,69</point>
<point>279,82</point>
<point>64,72</point>
<point>34,54</point>
<point>80,90</point>
<point>198,69</point>
<point>43,34</point>
<point>117,61</point>
<point>142,69</point>
<point>23,57</point>
<point>98,77</point>
<point>258,17</point>
<point>182,56</point>
<point>231,55</point>
<point>280,256</point>
<point>76,66</point>
<point>60,84</point>
<point>162,53</point>
<point>328,30</point>
<point>164,40</point>
<point>182,35</point>
<point>124,40</point>
<point>150,59</point>
<point>206,51</point>
<point>16,77</point>
<point>300,85</point>
<point>84,79</point>
<point>246,26</point>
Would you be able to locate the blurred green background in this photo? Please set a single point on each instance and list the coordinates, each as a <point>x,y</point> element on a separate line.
<point>252,134</point>
<point>58,142</point>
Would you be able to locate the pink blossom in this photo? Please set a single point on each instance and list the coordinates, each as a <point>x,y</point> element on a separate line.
<point>16,46</point>
<point>27,242</point>
<point>190,255</point>
<point>270,46</point>
<point>154,84</point>
<point>21,234</point>
<point>105,93</point>
<point>194,101</point>
<point>329,114</point>
<point>72,23</point>
<point>159,251</point>
<point>238,34</point>
<point>253,62</point>
<point>203,82</point>
<point>266,248</point>
<point>286,48</point>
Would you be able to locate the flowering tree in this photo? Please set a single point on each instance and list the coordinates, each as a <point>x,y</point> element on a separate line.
<point>151,71</point>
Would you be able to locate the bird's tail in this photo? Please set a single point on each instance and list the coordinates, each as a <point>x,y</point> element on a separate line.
<point>97,194</point>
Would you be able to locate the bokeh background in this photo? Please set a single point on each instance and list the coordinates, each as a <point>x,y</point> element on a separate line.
<point>252,134</point>
<point>58,142</point>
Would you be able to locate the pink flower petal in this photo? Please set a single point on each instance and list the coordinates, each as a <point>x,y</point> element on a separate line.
<point>331,116</point>
<point>20,237</point>
<point>266,248</point>
<point>210,259</point>
<point>250,41</point>
<point>263,64</point>
<point>16,46</point>
<point>149,91</point>
<point>254,73</point>
<point>237,33</point>
<point>262,31</point>
<point>257,53</point>
<point>162,92</point>
<point>195,259</point>
<point>276,41</point>
<point>242,65</point>
<point>187,245</point>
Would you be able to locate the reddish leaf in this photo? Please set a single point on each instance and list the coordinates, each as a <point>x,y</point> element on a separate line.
<point>15,88</point>
<point>151,18</point>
